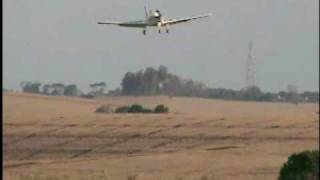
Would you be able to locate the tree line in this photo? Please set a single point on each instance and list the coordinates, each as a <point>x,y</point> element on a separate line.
<point>60,89</point>
<point>160,81</point>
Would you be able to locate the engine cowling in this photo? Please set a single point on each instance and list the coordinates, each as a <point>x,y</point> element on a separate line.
<point>158,13</point>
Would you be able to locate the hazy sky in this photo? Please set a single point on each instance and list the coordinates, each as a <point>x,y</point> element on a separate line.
<point>60,41</point>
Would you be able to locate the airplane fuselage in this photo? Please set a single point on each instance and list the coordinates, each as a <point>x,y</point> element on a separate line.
<point>151,20</point>
<point>154,18</point>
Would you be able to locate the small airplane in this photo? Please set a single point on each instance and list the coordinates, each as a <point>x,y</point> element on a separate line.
<point>154,18</point>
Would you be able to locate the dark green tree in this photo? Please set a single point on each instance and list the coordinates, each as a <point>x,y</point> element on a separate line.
<point>71,90</point>
<point>30,87</point>
<point>98,89</point>
<point>301,166</point>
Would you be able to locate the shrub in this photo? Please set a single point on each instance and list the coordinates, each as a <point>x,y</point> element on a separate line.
<point>161,109</point>
<point>123,109</point>
<point>136,108</point>
<point>104,109</point>
<point>88,96</point>
<point>301,166</point>
<point>146,110</point>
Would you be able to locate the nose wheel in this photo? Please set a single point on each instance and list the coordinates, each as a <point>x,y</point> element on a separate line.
<point>167,31</point>
<point>144,32</point>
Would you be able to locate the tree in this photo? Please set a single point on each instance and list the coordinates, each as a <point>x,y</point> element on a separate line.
<point>293,96</point>
<point>115,92</point>
<point>252,93</point>
<point>129,84</point>
<point>71,90</point>
<point>301,166</point>
<point>30,87</point>
<point>310,96</point>
<point>173,85</point>
<point>24,84</point>
<point>162,73</point>
<point>150,81</point>
<point>97,89</point>
<point>46,89</point>
<point>162,78</point>
<point>57,89</point>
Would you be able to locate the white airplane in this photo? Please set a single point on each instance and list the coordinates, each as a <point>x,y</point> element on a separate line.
<point>154,18</point>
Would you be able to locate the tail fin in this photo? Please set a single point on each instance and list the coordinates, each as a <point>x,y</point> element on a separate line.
<point>146,11</point>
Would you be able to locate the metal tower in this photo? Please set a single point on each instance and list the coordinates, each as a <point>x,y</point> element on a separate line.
<point>250,69</point>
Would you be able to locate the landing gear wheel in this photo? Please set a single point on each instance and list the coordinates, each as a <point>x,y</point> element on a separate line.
<point>159,31</point>
<point>167,31</point>
<point>144,32</point>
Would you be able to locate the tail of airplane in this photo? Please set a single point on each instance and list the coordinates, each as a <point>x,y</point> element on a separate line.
<point>146,11</point>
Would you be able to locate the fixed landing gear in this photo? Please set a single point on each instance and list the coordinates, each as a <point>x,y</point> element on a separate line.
<point>167,31</point>
<point>144,31</point>
<point>159,27</point>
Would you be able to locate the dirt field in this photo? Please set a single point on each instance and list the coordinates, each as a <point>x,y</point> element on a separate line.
<point>63,138</point>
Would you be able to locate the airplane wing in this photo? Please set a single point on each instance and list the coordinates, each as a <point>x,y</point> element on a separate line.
<point>133,24</point>
<point>176,21</point>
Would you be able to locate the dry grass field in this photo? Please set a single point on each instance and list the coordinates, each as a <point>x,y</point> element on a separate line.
<point>63,138</point>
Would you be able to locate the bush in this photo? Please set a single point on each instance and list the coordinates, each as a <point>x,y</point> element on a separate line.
<point>136,108</point>
<point>123,109</point>
<point>104,109</point>
<point>146,110</point>
<point>161,109</point>
<point>301,166</point>
<point>88,96</point>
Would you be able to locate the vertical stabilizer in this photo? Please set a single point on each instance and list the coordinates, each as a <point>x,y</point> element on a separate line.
<point>146,11</point>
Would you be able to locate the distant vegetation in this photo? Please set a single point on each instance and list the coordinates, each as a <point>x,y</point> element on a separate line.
<point>159,81</point>
<point>60,89</point>
<point>5,90</point>
<point>57,89</point>
<point>123,109</point>
<point>104,109</point>
<point>301,166</point>
<point>135,108</point>
<point>97,89</point>
<point>161,109</point>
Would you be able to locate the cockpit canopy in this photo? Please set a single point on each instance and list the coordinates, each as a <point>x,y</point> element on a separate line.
<point>155,13</point>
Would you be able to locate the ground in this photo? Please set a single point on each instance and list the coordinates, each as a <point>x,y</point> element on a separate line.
<point>63,138</point>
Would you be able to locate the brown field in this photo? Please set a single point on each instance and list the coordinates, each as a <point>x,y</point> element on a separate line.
<point>63,138</point>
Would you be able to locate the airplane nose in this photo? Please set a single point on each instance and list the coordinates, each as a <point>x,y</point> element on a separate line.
<point>158,13</point>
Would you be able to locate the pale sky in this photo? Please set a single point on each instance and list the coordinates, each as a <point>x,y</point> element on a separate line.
<point>60,41</point>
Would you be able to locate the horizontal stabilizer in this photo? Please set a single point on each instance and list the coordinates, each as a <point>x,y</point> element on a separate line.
<point>110,22</point>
